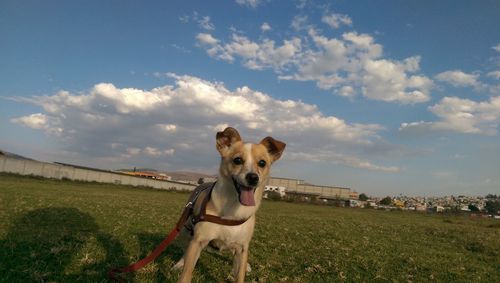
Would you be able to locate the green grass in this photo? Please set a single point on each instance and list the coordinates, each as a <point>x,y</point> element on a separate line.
<point>61,231</point>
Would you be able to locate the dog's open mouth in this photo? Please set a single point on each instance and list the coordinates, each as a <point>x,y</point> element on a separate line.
<point>245,193</point>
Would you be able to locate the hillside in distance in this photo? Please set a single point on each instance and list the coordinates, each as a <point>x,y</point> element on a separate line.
<point>176,175</point>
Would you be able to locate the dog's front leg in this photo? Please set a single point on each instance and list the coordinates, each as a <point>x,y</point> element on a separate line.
<point>240,263</point>
<point>190,258</point>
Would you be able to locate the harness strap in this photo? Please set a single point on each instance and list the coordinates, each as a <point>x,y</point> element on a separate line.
<point>203,216</point>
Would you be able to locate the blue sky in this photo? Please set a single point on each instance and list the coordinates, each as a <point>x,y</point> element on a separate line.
<point>385,97</point>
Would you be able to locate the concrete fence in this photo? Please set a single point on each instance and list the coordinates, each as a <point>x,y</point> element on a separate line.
<point>59,171</point>
<point>299,186</point>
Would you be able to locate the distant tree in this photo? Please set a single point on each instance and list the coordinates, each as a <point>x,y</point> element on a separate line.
<point>386,201</point>
<point>491,196</point>
<point>473,208</point>
<point>492,206</point>
<point>363,197</point>
<point>201,181</point>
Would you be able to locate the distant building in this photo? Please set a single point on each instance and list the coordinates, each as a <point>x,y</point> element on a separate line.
<point>421,207</point>
<point>297,186</point>
<point>353,195</point>
<point>438,208</point>
<point>279,190</point>
<point>398,203</point>
<point>354,203</point>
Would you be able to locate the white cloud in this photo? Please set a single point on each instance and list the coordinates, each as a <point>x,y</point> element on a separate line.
<point>388,81</point>
<point>133,150</point>
<point>34,121</point>
<point>233,29</point>
<point>255,56</point>
<point>363,42</point>
<point>167,127</point>
<point>205,23</point>
<point>357,55</point>
<point>125,100</point>
<point>336,20</point>
<point>350,161</point>
<point>148,151</point>
<point>461,116</point>
<point>347,66</point>
<point>347,91</point>
<point>265,27</point>
<point>39,121</point>
<point>184,19</point>
<point>457,78</point>
<point>299,23</point>
<point>301,4</point>
<point>496,48</point>
<point>179,48</point>
<point>206,38</point>
<point>494,74</point>
<point>249,3</point>
<point>202,21</point>
<point>176,123</point>
<point>155,152</point>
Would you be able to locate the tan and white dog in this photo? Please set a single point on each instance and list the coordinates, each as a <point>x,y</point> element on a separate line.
<point>237,194</point>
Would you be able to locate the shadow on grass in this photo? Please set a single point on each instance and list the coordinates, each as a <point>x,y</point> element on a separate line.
<point>66,245</point>
<point>46,245</point>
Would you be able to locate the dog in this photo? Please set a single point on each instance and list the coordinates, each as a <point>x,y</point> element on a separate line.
<point>236,196</point>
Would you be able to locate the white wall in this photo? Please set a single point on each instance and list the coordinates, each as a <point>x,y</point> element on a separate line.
<point>58,171</point>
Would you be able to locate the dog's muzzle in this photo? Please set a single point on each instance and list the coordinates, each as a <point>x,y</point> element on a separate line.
<point>246,193</point>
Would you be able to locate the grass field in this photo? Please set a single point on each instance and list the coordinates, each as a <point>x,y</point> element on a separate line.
<point>61,231</point>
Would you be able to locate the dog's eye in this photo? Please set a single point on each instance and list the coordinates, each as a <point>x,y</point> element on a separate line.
<point>262,163</point>
<point>238,161</point>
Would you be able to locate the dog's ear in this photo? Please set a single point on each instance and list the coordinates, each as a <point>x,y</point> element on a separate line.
<point>226,138</point>
<point>274,147</point>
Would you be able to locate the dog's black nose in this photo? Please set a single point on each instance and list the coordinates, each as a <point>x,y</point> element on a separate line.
<point>252,179</point>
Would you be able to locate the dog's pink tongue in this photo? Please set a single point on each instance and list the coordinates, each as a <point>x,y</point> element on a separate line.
<point>246,198</point>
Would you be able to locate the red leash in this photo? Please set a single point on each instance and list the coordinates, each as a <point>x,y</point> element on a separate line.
<point>112,273</point>
<point>141,263</point>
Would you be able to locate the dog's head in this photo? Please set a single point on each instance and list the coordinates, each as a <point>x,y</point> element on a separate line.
<point>246,164</point>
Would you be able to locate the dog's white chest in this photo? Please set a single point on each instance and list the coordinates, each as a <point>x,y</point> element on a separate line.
<point>232,237</point>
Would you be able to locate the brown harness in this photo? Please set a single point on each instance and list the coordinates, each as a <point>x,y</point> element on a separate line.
<point>202,215</point>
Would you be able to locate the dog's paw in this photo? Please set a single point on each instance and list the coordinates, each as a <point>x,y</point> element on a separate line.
<point>179,264</point>
<point>249,268</point>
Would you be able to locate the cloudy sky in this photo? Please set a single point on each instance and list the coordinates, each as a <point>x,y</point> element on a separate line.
<point>385,97</point>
